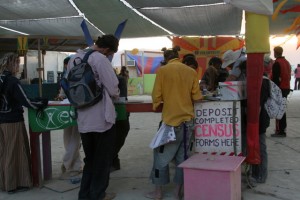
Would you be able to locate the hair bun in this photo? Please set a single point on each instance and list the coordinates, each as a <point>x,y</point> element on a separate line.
<point>164,49</point>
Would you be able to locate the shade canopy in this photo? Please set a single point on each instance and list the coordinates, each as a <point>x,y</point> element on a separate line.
<point>59,20</point>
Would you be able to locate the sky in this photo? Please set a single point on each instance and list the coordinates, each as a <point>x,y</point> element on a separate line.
<point>288,43</point>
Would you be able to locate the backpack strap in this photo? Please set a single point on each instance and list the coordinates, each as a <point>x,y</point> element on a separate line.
<point>87,54</point>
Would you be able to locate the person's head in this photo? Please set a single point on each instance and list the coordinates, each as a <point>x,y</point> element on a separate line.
<point>171,53</point>
<point>124,70</point>
<point>107,45</point>
<point>189,55</point>
<point>190,60</point>
<point>66,61</point>
<point>278,51</point>
<point>229,57</point>
<point>216,62</point>
<point>10,62</point>
<point>267,59</point>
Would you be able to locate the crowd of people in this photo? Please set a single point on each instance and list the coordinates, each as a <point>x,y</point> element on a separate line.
<point>102,136</point>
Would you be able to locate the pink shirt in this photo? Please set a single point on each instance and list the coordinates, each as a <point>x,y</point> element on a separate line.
<point>101,116</point>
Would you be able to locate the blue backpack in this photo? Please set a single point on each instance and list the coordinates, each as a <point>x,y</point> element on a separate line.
<point>80,85</point>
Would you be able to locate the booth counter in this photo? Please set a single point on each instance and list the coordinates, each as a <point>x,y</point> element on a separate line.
<point>55,117</point>
<point>217,129</point>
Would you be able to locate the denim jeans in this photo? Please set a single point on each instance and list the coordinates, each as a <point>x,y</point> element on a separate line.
<point>98,149</point>
<point>176,150</point>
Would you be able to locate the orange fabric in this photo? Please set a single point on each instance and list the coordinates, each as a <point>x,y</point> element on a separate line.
<point>276,12</point>
<point>293,9</point>
<point>206,47</point>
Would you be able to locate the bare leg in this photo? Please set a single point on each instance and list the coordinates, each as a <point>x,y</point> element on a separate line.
<point>178,192</point>
<point>156,194</point>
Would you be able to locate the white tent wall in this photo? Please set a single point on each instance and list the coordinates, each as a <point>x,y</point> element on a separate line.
<point>53,61</point>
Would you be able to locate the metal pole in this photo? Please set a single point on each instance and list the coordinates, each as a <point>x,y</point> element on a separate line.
<point>125,59</point>
<point>143,63</point>
<point>39,69</point>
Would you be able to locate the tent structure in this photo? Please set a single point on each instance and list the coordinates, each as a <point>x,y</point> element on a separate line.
<point>59,20</point>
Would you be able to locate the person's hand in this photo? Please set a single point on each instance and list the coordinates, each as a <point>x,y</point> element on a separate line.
<point>59,98</point>
<point>159,108</point>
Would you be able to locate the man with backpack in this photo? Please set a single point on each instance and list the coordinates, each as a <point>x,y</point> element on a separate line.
<point>281,76</point>
<point>96,122</point>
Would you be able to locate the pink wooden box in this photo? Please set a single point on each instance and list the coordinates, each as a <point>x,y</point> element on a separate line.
<point>212,177</point>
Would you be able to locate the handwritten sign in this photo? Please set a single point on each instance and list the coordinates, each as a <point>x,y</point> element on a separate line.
<point>218,127</point>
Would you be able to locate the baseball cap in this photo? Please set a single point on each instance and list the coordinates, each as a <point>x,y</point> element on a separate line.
<point>230,57</point>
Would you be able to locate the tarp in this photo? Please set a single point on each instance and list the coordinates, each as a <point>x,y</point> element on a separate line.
<point>145,18</point>
<point>149,63</point>
<point>264,7</point>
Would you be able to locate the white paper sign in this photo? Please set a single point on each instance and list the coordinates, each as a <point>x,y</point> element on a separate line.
<point>214,127</point>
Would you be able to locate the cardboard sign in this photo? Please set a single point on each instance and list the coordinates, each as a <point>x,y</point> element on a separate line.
<point>218,127</point>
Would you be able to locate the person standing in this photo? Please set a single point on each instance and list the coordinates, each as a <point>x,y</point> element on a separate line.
<point>15,162</point>
<point>260,171</point>
<point>96,123</point>
<point>281,76</point>
<point>232,61</point>
<point>210,78</point>
<point>190,60</point>
<point>268,64</point>
<point>124,73</point>
<point>72,163</point>
<point>297,78</point>
<point>177,87</point>
<point>122,125</point>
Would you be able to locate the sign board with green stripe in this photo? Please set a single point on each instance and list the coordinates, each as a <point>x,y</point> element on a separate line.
<point>60,117</point>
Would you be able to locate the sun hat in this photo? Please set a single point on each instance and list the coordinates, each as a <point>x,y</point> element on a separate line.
<point>230,57</point>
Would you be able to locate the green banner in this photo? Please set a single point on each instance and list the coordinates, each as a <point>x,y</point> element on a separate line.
<point>52,118</point>
<point>59,117</point>
<point>121,111</point>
